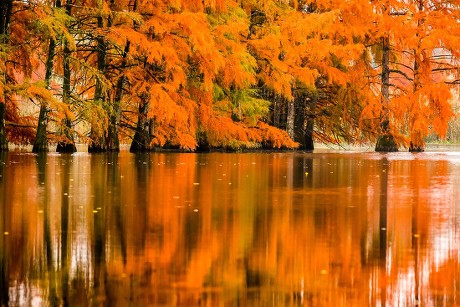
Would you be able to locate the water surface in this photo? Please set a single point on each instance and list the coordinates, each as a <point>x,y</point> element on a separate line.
<point>254,229</point>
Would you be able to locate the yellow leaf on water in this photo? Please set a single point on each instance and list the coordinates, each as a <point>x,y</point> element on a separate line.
<point>306,173</point>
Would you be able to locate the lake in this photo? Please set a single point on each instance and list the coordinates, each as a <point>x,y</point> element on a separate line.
<point>215,229</point>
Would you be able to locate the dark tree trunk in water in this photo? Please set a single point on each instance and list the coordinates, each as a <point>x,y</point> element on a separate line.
<point>6,8</point>
<point>142,137</point>
<point>113,142</point>
<point>304,120</point>
<point>417,143</point>
<point>309,124</point>
<point>67,146</point>
<point>386,141</point>
<point>41,139</point>
<point>99,141</point>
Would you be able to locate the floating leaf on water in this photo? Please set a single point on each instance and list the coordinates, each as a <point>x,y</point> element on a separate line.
<point>6,233</point>
<point>40,211</point>
<point>416,235</point>
<point>94,211</point>
<point>306,173</point>
<point>196,183</point>
<point>195,210</point>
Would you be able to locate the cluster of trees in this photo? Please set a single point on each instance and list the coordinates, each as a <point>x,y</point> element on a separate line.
<point>200,74</point>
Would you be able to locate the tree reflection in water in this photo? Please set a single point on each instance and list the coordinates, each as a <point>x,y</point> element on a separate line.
<point>229,229</point>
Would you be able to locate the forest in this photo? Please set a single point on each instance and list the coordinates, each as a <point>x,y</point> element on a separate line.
<point>197,75</point>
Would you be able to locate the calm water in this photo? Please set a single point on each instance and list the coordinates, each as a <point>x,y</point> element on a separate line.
<point>282,229</point>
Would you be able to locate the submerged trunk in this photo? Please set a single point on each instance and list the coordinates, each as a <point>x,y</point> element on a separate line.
<point>41,139</point>
<point>98,136</point>
<point>68,145</point>
<point>305,104</point>
<point>142,137</point>
<point>386,141</point>
<point>113,142</point>
<point>309,124</point>
<point>417,144</point>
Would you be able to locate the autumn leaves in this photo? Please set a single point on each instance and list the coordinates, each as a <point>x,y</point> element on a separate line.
<point>225,74</point>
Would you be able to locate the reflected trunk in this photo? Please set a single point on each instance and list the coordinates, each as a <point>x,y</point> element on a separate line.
<point>383,226</point>
<point>64,260</point>
<point>4,276</point>
<point>99,207</point>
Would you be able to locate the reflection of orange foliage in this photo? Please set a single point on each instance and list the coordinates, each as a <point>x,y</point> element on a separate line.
<point>444,278</point>
<point>180,229</point>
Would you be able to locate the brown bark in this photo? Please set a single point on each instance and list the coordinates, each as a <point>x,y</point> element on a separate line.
<point>67,146</point>
<point>290,121</point>
<point>6,8</point>
<point>99,141</point>
<point>142,136</point>
<point>41,138</point>
<point>386,141</point>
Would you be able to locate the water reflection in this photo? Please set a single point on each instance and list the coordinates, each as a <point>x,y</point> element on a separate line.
<point>229,229</point>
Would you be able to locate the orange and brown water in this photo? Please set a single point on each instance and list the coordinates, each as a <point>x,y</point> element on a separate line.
<point>278,229</point>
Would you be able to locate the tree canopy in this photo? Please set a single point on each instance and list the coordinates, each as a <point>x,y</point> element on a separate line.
<point>236,74</point>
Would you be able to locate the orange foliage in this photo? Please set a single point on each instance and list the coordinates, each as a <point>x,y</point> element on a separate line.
<point>182,52</point>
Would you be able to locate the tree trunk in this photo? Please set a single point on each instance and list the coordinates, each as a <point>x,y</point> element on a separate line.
<point>309,124</point>
<point>41,139</point>
<point>417,143</point>
<point>3,141</point>
<point>113,142</point>
<point>276,111</point>
<point>386,141</point>
<point>98,139</point>
<point>67,146</point>
<point>6,8</point>
<point>290,121</point>
<point>142,137</point>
